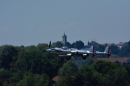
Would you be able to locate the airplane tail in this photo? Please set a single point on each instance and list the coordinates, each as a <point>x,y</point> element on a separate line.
<point>108,51</point>
<point>93,50</point>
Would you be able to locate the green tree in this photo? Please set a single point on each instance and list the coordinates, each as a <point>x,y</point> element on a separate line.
<point>110,74</point>
<point>57,44</point>
<point>42,47</point>
<point>101,48</point>
<point>102,73</point>
<point>115,49</point>
<point>125,51</point>
<point>68,69</point>
<point>68,45</point>
<point>7,56</point>
<point>4,77</point>
<point>16,77</point>
<point>127,67</point>
<point>85,77</point>
<point>67,74</point>
<point>89,62</point>
<point>78,44</point>
<point>1,83</point>
<point>34,60</point>
<point>30,79</point>
<point>31,60</point>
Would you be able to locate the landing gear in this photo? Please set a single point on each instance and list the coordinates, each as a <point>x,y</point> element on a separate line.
<point>84,57</point>
<point>68,57</point>
<point>108,55</point>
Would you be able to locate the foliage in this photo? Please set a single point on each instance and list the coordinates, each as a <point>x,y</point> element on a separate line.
<point>67,74</point>
<point>4,73</point>
<point>16,77</point>
<point>115,49</point>
<point>125,51</point>
<point>68,69</point>
<point>33,66</point>
<point>102,73</point>
<point>30,79</point>
<point>89,62</point>
<point>7,56</point>
<point>57,44</point>
<point>68,45</point>
<point>78,44</point>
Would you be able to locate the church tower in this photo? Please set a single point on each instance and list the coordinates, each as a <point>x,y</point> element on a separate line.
<point>64,39</point>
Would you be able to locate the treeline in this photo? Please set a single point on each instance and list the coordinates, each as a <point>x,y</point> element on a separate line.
<point>33,66</point>
<point>77,44</point>
<point>27,66</point>
<point>99,73</point>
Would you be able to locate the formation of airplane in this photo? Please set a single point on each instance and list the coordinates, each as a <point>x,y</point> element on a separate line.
<point>69,52</point>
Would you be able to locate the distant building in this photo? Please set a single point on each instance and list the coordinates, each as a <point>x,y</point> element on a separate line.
<point>107,44</point>
<point>94,43</point>
<point>64,39</point>
<point>121,61</point>
<point>122,44</point>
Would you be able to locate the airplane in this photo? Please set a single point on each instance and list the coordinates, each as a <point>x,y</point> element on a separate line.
<point>69,52</point>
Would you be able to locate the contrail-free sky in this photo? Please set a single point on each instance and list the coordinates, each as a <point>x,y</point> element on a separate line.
<point>29,22</point>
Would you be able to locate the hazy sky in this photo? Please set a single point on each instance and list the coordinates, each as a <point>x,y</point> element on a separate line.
<point>29,22</point>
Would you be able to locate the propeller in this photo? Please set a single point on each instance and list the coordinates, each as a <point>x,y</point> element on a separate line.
<point>49,44</point>
<point>48,48</point>
<point>109,52</point>
<point>94,51</point>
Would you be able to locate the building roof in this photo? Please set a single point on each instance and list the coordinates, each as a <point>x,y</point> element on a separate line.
<point>56,78</point>
<point>109,44</point>
<point>121,43</point>
<point>93,42</point>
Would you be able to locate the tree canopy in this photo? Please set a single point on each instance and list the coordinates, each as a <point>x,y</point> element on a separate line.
<point>33,66</point>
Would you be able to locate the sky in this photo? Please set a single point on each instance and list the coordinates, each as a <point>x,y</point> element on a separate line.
<point>30,22</point>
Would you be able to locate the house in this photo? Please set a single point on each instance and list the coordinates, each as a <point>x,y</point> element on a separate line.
<point>94,43</point>
<point>122,44</point>
<point>107,44</point>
